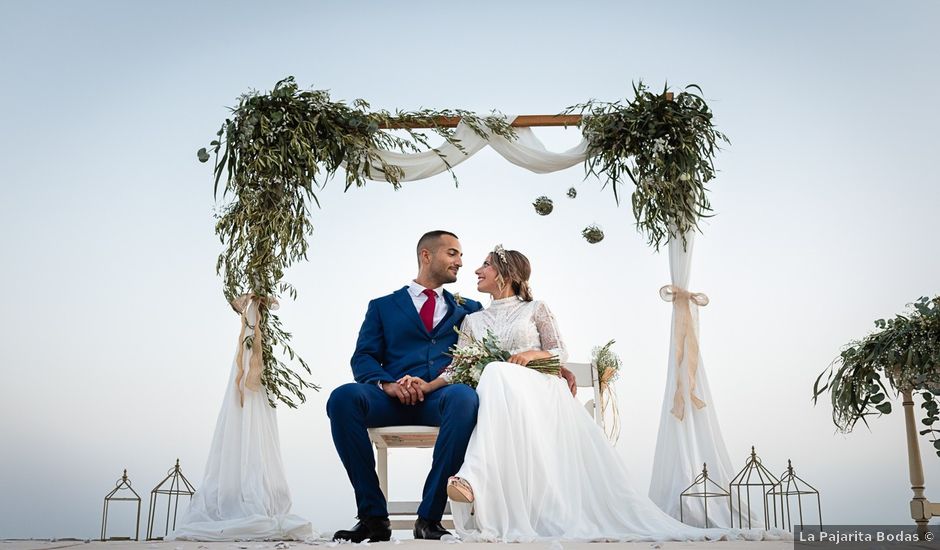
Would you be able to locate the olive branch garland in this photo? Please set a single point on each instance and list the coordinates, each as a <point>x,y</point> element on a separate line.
<point>274,152</point>
<point>905,353</point>
<point>665,147</point>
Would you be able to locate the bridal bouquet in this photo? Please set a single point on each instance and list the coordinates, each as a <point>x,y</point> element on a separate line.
<point>606,362</point>
<point>470,360</point>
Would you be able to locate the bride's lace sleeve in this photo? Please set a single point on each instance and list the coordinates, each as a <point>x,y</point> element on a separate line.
<point>464,337</point>
<point>462,340</point>
<point>549,335</point>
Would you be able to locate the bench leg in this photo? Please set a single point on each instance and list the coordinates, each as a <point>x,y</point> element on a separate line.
<point>381,468</point>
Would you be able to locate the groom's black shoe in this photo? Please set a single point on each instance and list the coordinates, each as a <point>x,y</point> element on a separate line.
<point>427,529</point>
<point>374,529</point>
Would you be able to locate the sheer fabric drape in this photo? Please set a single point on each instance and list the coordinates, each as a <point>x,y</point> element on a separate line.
<point>244,493</point>
<point>684,444</point>
<point>526,151</point>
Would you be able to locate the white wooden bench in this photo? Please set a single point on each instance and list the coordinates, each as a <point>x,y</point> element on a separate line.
<point>393,437</point>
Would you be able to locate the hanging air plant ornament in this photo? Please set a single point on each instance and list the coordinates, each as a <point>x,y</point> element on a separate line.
<point>543,205</point>
<point>593,234</point>
<point>572,193</point>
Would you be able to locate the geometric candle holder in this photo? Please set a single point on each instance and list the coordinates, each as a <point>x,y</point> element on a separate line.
<point>120,493</point>
<point>789,486</point>
<point>705,492</point>
<point>754,474</point>
<point>173,486</point>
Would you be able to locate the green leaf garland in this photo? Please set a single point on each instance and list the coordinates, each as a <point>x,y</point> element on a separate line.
<point>274,152</point>
<point>665,147</point>
<point>904,352</point>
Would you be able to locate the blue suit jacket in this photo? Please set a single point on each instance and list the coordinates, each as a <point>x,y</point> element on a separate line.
<point>393,341</point>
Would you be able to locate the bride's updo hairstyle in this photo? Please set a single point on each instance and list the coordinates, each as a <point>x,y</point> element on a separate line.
<point>514,267</point>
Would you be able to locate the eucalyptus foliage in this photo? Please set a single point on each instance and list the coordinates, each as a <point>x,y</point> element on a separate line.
<point>904,352</point>
<point>274,152</point>
<point>666,148</point>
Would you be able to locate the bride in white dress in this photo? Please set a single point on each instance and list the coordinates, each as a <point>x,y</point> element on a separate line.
<point>537,466</point>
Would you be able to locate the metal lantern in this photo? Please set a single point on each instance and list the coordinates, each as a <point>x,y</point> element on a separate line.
<point>790,486</point>
<point>120,493</point>
<point>753,475</point>
<point>703,487</point>
<point>173,486</point>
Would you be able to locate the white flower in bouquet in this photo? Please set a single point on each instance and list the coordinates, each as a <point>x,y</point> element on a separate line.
<point>470,359</point>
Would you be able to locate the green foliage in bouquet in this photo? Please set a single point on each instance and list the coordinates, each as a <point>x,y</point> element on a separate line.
<point>905,353</point>
<point>666,148</point>
<point>274,152</point>
<point>606,362</point>
<point>470,359</point>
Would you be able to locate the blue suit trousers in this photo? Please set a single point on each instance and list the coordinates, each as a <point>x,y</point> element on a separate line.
<point>355,407</point>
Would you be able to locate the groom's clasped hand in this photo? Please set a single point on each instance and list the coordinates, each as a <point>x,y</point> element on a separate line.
<point>408,389</point>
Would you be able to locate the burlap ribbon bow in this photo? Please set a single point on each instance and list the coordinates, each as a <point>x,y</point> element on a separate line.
<point>608,400</point>
<point>685,337</point>
<point>252,379</point>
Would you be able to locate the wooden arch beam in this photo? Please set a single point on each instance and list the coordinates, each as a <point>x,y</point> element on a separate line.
<point>522,121</point>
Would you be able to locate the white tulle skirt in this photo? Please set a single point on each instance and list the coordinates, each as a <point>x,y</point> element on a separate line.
<point>541,469</point>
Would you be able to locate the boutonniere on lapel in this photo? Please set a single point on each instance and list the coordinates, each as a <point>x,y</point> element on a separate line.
<point>459,299</point>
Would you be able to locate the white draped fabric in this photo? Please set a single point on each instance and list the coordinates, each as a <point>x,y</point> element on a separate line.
<point>689,434</point>
<point>526,151</point>
<point>244,494</point>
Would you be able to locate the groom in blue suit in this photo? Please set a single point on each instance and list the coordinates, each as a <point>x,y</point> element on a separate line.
<point>406,333</point>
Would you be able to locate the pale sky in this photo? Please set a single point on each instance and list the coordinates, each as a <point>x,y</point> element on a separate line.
<point>117,340</point>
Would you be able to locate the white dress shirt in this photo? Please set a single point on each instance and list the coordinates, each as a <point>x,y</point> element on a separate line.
<point>418,297</point>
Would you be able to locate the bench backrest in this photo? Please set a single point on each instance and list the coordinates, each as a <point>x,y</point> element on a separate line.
<point>586,376</point>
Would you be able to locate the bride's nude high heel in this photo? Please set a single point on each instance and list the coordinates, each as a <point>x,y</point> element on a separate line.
<point>458,490</point>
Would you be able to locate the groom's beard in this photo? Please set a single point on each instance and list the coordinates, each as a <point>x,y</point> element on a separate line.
<point>446,279</point>
<point>445,276</point>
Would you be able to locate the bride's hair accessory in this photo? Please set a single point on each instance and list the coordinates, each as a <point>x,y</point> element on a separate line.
<point>501,252</point>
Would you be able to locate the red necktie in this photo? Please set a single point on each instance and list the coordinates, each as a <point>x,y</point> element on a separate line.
<point>427,310</point>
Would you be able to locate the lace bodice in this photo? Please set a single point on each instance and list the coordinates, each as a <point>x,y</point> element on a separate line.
<point>519,325</point>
